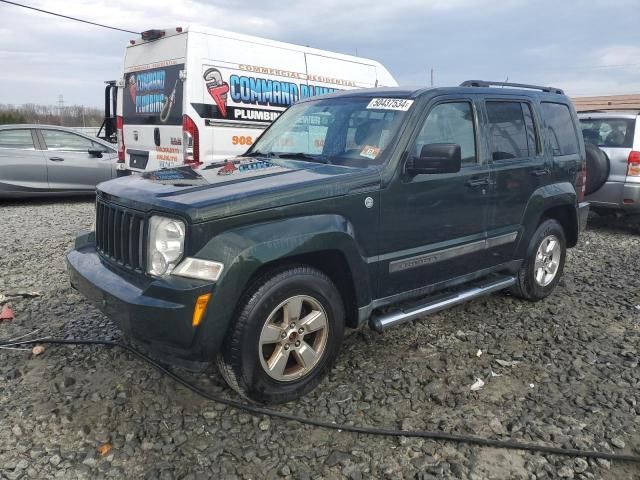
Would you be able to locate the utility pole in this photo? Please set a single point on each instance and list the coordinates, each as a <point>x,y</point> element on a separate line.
<point>431,77</point>
<point>60,107</point>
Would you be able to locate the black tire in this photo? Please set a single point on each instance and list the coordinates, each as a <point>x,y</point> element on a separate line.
<point>598,168</point>
<point>527,286</point>
<point>240,361</point>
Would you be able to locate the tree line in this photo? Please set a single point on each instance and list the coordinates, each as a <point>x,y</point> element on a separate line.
<point>66,116</point>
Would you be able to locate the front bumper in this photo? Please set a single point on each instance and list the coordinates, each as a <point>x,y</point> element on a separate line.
<point>156,313</point>
<point>583,214</point>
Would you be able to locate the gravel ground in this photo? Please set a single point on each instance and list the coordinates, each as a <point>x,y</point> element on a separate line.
<point>566,373</point>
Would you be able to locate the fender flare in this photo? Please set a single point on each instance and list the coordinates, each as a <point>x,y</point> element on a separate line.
<point>541,201</point>
<point>245,250</point>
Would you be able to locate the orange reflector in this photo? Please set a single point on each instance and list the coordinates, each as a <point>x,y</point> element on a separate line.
<point>199,309</point>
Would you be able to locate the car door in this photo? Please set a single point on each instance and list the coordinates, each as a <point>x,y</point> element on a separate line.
<point>22,164</point>
<point>519,168</point>
<point>70,166</point>
<point>433,225</point>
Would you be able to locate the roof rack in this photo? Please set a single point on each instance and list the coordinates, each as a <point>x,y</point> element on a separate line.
<point>485,83</point>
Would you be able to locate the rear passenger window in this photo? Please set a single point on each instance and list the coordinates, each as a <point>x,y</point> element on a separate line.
<point>450,123</point>
<point>560,129</point>
<point>511,130</point>
<point>18,139</point>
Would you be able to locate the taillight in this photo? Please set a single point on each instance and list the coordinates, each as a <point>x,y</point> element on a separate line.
<point>581,182</point>
<point>120,135</point>
<point>633,164</point>
<point>190,141</point>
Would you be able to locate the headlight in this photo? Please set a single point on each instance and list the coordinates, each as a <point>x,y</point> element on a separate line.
<point>198,268</point>
<point>166,245</point>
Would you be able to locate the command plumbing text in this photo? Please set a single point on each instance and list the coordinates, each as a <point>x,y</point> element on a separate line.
<point>149,95</point>
<point>276,93</point>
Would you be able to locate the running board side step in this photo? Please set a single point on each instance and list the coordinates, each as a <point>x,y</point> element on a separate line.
<point>386,321</point>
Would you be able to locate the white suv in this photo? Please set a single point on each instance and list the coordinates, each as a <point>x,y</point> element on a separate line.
<point>617,133</point>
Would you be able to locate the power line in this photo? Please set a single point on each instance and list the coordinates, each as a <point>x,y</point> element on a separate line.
<point>597,67</point>
<point>67,17</point>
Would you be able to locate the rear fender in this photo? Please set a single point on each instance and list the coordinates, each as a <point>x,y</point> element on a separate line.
<point>541,202</point>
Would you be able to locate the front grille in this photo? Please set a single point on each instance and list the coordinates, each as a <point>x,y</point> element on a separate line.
<point>120,235</point>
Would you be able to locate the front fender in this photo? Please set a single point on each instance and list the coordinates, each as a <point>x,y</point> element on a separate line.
<point>542,200</point>
<point>244,250</point>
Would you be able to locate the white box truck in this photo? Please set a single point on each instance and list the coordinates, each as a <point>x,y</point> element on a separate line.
<point>196,95</point>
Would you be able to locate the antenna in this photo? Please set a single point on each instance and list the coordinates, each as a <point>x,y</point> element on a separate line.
<point>431,77</point>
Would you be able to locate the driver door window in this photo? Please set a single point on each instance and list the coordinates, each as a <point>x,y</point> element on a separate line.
<point>450,123</point>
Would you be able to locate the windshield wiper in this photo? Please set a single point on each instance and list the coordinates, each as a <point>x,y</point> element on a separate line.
<point>256,153</point>
<point>304,156</point>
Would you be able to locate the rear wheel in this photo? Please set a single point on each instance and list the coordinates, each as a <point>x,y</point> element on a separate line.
<point>544,264</point>
<point>286,336</point>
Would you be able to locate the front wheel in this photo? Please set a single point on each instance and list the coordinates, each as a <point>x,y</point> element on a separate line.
<point>544,264</point>
<point>286,336</point>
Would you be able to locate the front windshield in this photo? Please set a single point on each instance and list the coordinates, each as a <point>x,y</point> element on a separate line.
<point>351,131</point>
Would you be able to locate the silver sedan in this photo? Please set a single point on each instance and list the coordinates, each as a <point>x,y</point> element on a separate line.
<point>44,160</point>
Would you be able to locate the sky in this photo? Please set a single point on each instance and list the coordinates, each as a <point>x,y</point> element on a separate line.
<point>586,47</point>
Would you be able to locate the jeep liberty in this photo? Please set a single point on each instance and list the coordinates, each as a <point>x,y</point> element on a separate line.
<point>377,205</point>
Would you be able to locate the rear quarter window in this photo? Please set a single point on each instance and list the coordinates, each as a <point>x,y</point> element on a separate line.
<point>559,128</point>
<point>17,139</point>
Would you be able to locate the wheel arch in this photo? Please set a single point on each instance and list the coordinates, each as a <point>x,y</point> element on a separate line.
<point>557,201</point>
<point>325,242</point>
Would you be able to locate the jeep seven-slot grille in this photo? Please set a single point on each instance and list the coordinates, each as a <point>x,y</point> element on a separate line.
<point>120,235</point>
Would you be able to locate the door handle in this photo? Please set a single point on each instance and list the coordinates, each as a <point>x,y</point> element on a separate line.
<point>540,172</point>
<point>478,182</point>
<point>56,159</point>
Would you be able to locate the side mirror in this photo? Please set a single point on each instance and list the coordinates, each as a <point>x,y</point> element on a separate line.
<point>96,151</point>
<point>436,158</point>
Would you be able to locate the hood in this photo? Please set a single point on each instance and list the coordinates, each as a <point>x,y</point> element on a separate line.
<point>234,187</point>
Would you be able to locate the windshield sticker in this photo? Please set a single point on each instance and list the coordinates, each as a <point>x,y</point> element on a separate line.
<point>370,152</point>
<point>401,104</point>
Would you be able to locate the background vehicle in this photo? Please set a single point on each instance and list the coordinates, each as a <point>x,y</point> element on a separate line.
<point>50,160</point>
<point>617,133</point>
<point>379,205</point>
<point>198,95</point>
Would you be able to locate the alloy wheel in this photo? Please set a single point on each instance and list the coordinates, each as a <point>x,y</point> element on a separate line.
<point>294,338</point>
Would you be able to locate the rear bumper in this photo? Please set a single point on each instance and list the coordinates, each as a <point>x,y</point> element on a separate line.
<point>583,214</point>
<point>621,197</point>
<point>155,313</point>
<point>631,197</point>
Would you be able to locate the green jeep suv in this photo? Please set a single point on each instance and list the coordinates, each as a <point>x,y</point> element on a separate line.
<point>372,206</point>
